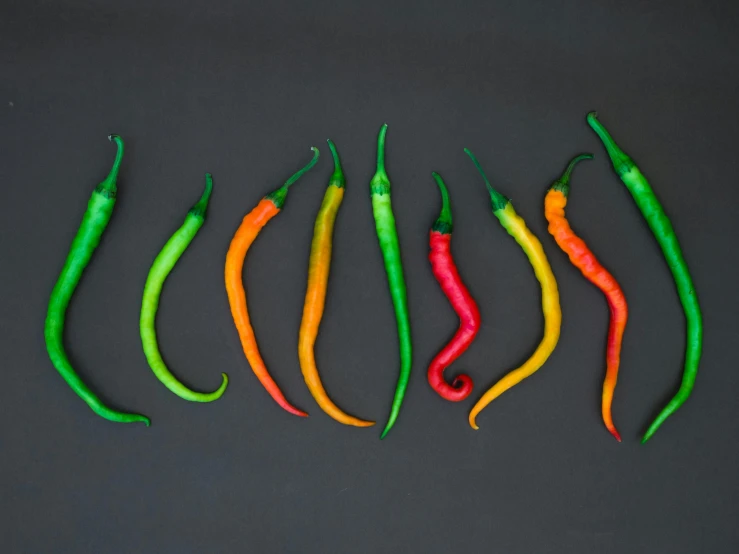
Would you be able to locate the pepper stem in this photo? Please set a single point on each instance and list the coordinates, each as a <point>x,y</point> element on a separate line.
<point>278,196</point>
<point>443,224</point>
<point>621,162</point>
<point>380,184</point>
<point>563,183</point>
<point>108,186</point>
<point>498,200</point>
<point>198,209</point>
<point>337,179</point>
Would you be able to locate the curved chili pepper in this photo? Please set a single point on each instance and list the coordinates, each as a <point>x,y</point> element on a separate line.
<point>445,271</point>
<point>516,227</point>
<point>583,259</point>
<point>245,235</point>
<point>160,269</point>
<point>387,236</point>
<point>315,295</point>
<point>662,230</point>
<point>94,222</point>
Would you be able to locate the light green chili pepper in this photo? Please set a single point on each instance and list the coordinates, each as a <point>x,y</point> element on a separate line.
<point>661,227</point>
<point>388,237</point>
<point>158,273</point>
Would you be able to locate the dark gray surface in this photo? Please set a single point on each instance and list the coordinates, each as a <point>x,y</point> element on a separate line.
<point>242,91</point>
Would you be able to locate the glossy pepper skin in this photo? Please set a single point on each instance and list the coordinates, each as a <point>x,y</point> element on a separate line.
<point>388,238</point>
<point>94,222</point>
<point>516,227</point>
<point>583,259</point>
<point>315,295</point>
<point>445,271</point>
<point>245,235</point>
<point>160,269</point>
<point>662,230</point>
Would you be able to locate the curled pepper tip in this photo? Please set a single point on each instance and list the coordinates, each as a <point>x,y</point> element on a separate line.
<point>473,424</point>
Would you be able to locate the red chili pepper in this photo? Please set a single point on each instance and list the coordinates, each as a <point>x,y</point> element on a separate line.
<point>445,271</point>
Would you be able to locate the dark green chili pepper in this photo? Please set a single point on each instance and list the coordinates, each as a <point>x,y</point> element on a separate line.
<point>388,237</point>
<point>661,227</point>
<point>158,273</point>
<point>99,210</point>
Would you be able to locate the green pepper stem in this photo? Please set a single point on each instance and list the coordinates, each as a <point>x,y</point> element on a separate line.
<point>108,186</point>
<point>498,200</point>
<point>381,149</point>
<point>620,160</point>
<point>380,183</point>
<point>443,223</point>
<point>563,183</point>
<point>202,204</point>
<point>337,179</point>
<point>278,196</point>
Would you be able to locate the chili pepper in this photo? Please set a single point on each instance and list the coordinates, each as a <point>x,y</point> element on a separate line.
<point>583,259</point>
<point>245,235</point>
<point>387,236</point>
<point>315,296</point>
<point>516,227</point>
<point>94,222</point>
<point>160,269</point>
<point>445,271</point>
<point>662,230</point>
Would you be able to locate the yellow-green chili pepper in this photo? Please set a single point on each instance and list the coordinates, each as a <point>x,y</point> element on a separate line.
<point>516,227</point>
<point>160,269</point>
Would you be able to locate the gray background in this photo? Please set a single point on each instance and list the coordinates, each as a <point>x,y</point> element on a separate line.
<point>242,90</point>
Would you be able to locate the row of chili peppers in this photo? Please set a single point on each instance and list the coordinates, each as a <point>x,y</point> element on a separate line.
<point>100,209</point>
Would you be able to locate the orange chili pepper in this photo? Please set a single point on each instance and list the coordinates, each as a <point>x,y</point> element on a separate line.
<point>583,259</point>
<point>247,232</point>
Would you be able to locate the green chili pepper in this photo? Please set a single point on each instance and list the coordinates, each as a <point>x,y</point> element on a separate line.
<point>99,210</point>
<point>661,227</point>
<point>158,273</point>
<point>388,237</point>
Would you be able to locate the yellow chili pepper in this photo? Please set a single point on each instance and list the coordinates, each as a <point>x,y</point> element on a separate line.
<point>516,227</point>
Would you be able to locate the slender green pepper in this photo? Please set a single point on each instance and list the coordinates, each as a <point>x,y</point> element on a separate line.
<point>388,238</point>
<point>160,269</point>
<point>661,227</point>
<point>96,218</point>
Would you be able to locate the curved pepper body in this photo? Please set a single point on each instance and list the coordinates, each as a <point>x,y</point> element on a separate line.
<point>242,240</point>
<point>319,266</point>
<point>160,269</point>
<point>663,232</point>
<point>516,227</point>
<point>94,222</point>
<point>390,247</point>
<point>445,271</point>
<point>387,236</point>
<point>447,275</point>
<point>582,258</point>
<point>247,232</point>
